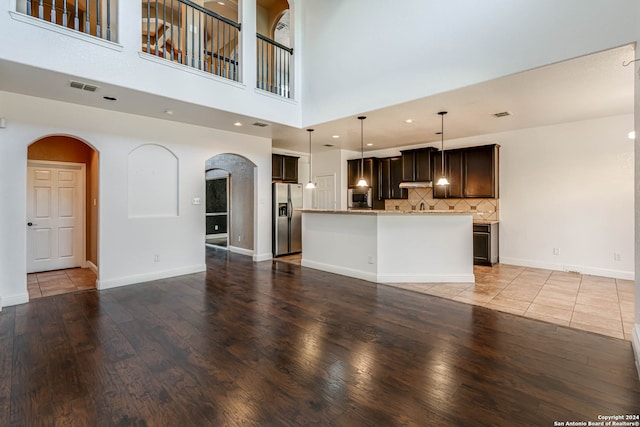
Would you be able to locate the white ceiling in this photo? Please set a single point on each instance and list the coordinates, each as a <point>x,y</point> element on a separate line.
<point>588,87</point>
<point>592,86</point>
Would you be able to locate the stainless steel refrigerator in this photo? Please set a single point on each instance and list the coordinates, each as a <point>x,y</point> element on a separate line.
<point>287,221</point>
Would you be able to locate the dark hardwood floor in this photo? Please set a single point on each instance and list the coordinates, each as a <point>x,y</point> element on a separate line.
<point>275,344</point>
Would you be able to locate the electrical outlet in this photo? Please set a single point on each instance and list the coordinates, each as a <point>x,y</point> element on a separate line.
<point>239,239</point>
<point>215,227</point>
<point>617,256</point>
<point>556,251</point>
<point>156,258</point>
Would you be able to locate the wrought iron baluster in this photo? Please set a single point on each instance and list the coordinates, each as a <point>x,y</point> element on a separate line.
<point>76,19</point>
<point>200,35</point>
<point>41,10</point>
<point>98,26</point>
<point>172,42</point>
<point>164,28</point>
<point>193,37</point>
<point>87,25</point>
<point>65,20</point>
<point>109,20</point>
<point>206,48</point>
<point>29,7</point>
<point>53,11</point>
<point>148,27</point>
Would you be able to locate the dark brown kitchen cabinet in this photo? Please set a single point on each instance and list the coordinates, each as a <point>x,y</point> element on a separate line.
<point>416,165</point>
<point>354,175</point>
<point>472,173</point>
<point>389,179</point>
<point>284,168</point>
<point>453,171</point>
<point>485,244</point>
<point>480,169</point>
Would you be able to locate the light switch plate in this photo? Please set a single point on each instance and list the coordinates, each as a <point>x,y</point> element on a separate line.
<point>196,201</point>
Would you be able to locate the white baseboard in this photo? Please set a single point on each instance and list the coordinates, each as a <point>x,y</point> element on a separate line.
<point>8,301</point>
<point>358,274</point>
<point>241,251</point>
<point>263,257</point>
<point>147,277</point>
<point>91,266</point>
<point>582,269</point>
<point>635,343</point>
<point>426,278</point>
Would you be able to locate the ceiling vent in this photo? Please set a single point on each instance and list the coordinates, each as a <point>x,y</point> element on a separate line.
<point>260,125</point>
<point>83,86</point>
<point>502,114</point>
<point>329,145</point>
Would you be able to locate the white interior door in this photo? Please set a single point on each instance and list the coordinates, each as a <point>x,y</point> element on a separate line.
<point>55,216</point>
<point>325,192</point>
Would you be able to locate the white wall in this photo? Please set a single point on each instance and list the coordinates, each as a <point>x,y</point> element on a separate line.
<point>126,245</point>
<point>361,55</point>
<point>568,186</point>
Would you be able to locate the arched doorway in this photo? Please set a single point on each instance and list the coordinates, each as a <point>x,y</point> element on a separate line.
<point>217,207</point>
<point>62,216</point>
<point>240,175</point>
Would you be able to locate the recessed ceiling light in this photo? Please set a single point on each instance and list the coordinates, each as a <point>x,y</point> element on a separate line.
<point>237,124</point>
<point>368,144</point>
<point>110,98</point>
<point>168,112</point>
<point>632,134</point>
<point>335,136</point>
<point>221,3</point>
<point>409,121</point>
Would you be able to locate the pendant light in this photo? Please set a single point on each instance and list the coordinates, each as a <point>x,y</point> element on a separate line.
<point>362,182</point>
<point>310,185</point>
<point>443,179</point>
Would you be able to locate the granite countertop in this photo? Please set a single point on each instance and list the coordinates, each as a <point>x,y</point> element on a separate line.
<point>399,212</point>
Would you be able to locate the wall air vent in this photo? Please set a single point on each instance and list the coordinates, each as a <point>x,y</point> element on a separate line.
<point>260,125</point>
<point>502,114</point>
<point>83,86</point>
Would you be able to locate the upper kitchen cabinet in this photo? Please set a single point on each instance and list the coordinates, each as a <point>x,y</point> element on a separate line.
<point>472,173</point>
<point>480,172</point>
<point>416,165</point>
<point>370,172</point>
<point>453,171</point>
<point>389,179</point>
<point>284,168</point>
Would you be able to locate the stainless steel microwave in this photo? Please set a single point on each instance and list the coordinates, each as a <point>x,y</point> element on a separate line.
<point>360,198</point>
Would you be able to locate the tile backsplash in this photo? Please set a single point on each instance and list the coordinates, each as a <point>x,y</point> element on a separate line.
<point>484,209</point>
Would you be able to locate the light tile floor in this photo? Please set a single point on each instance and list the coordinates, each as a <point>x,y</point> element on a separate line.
<point>59,282</point>
<point>591,303</point>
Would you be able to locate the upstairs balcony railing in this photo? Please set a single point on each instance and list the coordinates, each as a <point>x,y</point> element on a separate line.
<point>88,16</point>
<point>184,32</point>
<point>274,66</point>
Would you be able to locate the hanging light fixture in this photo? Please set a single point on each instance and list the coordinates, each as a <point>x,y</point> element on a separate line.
<point>310,185</point>
<point>362,182</point>
<point>443,179</point>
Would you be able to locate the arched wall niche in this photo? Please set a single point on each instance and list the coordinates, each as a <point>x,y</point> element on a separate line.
<point>152,182</point>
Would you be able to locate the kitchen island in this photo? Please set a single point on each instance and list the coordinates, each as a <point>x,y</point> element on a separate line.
<point>390,246</point>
